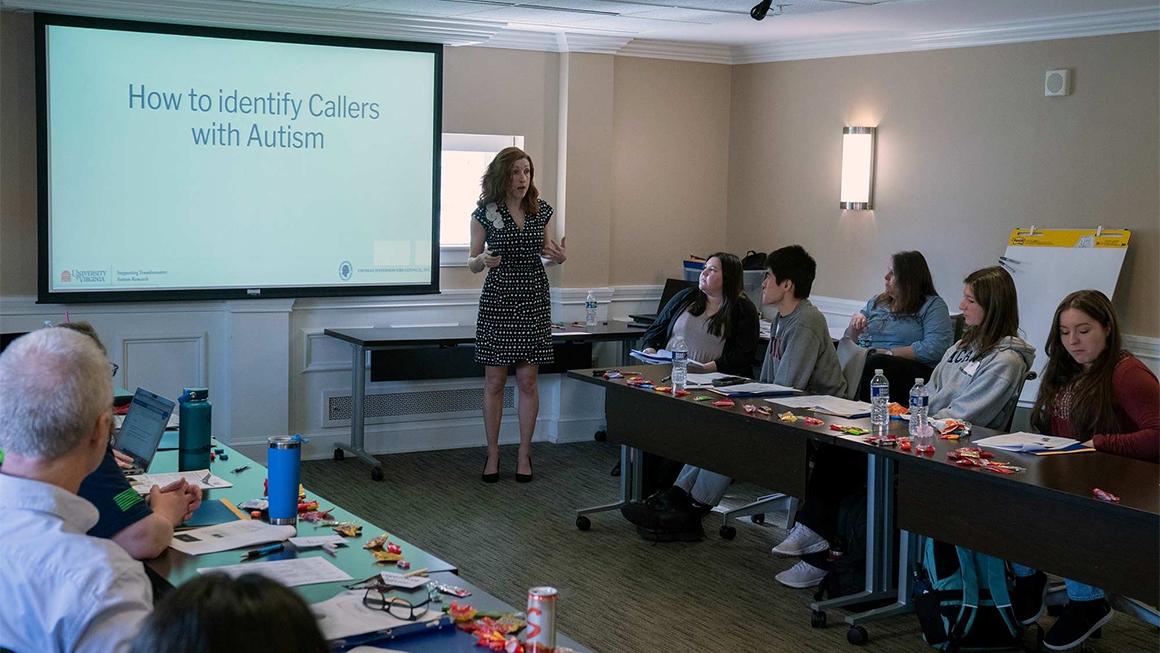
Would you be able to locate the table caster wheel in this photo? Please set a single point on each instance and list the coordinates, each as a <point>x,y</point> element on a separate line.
<point>857,636</point>
<point>601,436</point>
<point>339,454</point>
<point>728,532</point>
<point>817,619</point>
<point>583,523</point>
<point>376,473</point>
<point>759,518</point>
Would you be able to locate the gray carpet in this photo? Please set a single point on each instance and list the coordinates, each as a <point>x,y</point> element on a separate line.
<point>617,592</point>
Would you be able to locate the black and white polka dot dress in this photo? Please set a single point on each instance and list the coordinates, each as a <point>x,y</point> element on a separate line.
<point>515,308</point>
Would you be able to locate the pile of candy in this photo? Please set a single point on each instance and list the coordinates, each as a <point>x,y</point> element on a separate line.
<point>849,430</point>
<point>752,409</point>
<point>385,551</point>
<point>976,457</point>
<point>665,388</point>
<point>790,417</point>
<point>1105,496</point>
<point>640,382</point>
<point>494,632</point>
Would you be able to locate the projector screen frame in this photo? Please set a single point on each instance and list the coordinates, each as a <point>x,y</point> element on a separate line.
<point>44,20</point>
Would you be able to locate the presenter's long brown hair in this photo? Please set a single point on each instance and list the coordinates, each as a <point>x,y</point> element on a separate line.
<point>499,173</point>
<point>1093,401</point>
<point>994,290</point>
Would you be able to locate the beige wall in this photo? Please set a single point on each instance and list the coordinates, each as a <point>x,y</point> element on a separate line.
<point>968,149</point>
<point>17,156</point>
<point>670,166</point>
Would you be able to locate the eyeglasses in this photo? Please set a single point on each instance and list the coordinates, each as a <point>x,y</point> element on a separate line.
<point>115,367</point>
<point>399,608</point>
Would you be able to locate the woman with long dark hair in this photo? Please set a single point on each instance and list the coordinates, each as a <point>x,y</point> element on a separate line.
<point>513,327</point>
<point>717,321</point>
<point>907,326</point>
<point>1093,390</point>
<point>976,381</point>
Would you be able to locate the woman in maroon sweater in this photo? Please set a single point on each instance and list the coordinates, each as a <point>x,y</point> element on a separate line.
<point>1091,390</point>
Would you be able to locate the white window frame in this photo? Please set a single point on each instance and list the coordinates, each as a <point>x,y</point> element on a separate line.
<point>454,256</point>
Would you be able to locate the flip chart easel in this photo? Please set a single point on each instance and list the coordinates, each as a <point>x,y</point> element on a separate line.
<point>1049,264</point>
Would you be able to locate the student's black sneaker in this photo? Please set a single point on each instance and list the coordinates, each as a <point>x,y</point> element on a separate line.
<point>1080,620</point>
<point>1028,598</point>
<point>638,513</point>
<point>674,497</point>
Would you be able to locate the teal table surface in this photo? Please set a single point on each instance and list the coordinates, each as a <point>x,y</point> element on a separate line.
<point>177,567</point>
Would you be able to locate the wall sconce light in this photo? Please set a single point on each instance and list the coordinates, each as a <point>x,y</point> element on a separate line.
<point>858,145</point>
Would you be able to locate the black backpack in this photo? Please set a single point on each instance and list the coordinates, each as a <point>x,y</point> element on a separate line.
<point>846,570</point>
<point>753,261</point>
<point>963,600</point>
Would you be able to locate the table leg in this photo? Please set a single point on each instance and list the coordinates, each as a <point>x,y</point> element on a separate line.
<point>879,521</point>
<point>357,415</point>
<point>631,478</point>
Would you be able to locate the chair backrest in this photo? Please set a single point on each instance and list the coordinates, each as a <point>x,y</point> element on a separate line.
<point>1013,403</point>
<point>960,325</point>
<point>672,287</point>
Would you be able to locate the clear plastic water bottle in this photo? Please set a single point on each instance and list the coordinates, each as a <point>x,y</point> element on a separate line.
<point>918,405</point>
<point>590,309</point>
<point>680,364</point>
<point>879,398</point>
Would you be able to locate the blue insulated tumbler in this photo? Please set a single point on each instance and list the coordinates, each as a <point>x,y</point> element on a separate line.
<point>283,463</point>
<point>193,429</point>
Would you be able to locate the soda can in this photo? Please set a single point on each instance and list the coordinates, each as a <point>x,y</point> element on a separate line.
<point>541,637</point>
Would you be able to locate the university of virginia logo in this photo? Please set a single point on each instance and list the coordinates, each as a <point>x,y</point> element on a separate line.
<point>65,277</point>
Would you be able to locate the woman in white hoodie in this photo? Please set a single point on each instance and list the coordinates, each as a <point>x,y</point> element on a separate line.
<point>976,381</point>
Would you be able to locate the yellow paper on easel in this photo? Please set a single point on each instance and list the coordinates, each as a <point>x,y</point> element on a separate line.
<point>1117,238</point>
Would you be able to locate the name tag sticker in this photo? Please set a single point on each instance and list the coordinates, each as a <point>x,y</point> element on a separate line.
<point>971,368</point>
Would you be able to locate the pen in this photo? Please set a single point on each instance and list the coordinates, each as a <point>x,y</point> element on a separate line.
<point>1008,260</point>
<point>240,469</point>
<point>264,551</point>
<point>667,378</point>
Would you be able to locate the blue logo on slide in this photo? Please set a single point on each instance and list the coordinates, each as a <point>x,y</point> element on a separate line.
<point>345,270</point>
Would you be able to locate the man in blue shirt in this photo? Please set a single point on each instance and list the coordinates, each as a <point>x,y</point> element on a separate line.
<point>61,590</point>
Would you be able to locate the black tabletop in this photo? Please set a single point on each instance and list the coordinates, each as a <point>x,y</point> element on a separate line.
<point>465,334</point>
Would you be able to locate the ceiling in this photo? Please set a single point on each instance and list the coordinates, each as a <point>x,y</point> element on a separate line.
<point>706,30</point>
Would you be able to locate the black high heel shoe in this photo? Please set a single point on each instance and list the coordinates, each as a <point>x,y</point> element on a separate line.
<point>525,478</point>
<point>492,477</point>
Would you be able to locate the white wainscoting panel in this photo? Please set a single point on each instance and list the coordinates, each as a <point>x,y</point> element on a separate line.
<point>165,363</point>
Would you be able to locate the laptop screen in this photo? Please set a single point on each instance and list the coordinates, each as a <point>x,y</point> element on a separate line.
<point>144,424</point>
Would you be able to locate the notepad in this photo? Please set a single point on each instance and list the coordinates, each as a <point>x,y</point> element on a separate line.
<point>1033,443</point>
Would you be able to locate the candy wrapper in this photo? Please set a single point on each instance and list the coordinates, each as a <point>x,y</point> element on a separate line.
<point>461,613</point>
<point>394,548</point>
<point>787,416</point>
<point>452,590</point>
<point>724,403</point>
<point>316,516</point>
<point>750,409</point>
<point>882,440</point>
<point>682,393</point>
<point>896,409</point>
<point>702,398</point>
<point>612,374</point>
<point>663,388</point>
<point>812,421</point>
<point>1105,496</point>
<point>849,430</point>
<point>386,556</point>
<point>376,542</point>
<point>349,530</point>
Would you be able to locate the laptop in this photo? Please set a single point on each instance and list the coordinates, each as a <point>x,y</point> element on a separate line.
<point>672,287</point>
<point>141,431</point>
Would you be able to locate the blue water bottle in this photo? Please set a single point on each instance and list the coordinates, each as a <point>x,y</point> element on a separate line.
<point>283,464</point>
<point>193,429</point>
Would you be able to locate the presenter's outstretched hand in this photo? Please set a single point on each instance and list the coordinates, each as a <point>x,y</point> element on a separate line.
<point>555,252</point>
<point>491,260</point>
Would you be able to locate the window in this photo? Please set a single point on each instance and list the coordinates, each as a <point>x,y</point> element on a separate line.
<point>465,158</point>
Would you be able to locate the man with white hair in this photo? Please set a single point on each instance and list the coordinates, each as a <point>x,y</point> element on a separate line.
<point>61,590</point>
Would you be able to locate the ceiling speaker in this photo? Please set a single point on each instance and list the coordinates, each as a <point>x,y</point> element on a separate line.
<point>1057,83</point>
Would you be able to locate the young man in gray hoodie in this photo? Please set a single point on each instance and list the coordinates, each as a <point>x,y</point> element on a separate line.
<point>801,355</point>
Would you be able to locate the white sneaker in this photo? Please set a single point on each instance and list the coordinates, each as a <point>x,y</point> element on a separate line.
<point>800,541</point>
<point>803,574</point>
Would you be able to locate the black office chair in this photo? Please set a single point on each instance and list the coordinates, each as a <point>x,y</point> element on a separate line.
<point>1009,409</point>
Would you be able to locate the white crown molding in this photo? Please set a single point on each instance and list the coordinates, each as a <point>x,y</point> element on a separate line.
<point>216,13</point>
<point>1097,23</point>
<point>460,32</point>
<point>678,50</point>
<point>565,296</point>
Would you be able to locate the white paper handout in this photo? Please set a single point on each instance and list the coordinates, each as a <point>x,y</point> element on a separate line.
<point>315,541</point>
<point>826,404</point>
<point>232,535</point>
<point>754,390</point>
<point>403,580</point>
<point>291,573</point>
<point>662,357</point>
<point>346,616</point>
<point>703,380</point>
<point>201,478</point>
<point>1030,443</point>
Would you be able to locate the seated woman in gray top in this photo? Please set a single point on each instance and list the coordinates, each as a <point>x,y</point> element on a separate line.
<point>907,327</point>
<point>718,322</point>
<point>800,355</point>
